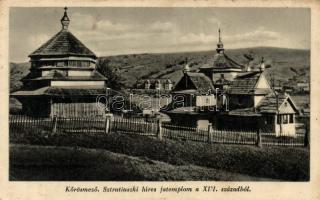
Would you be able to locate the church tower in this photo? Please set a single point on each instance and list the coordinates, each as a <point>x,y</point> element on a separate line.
<point>221,69</point>
<point>63,80</point>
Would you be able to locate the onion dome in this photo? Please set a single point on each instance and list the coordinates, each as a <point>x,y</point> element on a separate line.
<point>65,21</point>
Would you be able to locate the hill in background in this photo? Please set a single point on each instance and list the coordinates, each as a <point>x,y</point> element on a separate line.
<point>169,65</point>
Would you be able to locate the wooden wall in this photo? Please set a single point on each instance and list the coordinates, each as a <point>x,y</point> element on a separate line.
<point>76,109</point>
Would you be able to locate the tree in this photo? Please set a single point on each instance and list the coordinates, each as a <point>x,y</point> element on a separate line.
<point>114,79</point>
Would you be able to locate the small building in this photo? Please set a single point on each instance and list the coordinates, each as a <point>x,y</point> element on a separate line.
<point>275,113</point>
<point>63,80</point>
<point>303,87</point>
<point>154,84</point>
<point>193,98</point>
<point>194,90</point>
<point>279,112</point>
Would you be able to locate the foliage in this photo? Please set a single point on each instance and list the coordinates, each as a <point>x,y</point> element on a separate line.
<point>114,79</point>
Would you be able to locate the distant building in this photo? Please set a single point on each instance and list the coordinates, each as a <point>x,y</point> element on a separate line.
<point>63,80</point>
<point>303,87</point>
<point>154,84</point>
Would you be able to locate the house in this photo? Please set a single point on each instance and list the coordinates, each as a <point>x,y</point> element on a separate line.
<point>253,104</point>
<point>63,80</point>
<point>154,84</point>
<point>194,90</point>
<point>303,87</point>
<point>192,98</point>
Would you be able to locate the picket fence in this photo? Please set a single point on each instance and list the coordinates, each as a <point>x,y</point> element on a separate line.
<point>21,125</point>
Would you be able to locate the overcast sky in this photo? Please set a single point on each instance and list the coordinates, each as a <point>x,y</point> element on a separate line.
<point>112,31</point>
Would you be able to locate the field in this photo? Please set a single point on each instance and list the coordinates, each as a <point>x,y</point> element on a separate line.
<point>31,162</point>
<point>290,164</point>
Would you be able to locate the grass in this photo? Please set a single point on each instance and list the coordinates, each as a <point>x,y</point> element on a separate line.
<point>290,164</point>
<point>28,162</point>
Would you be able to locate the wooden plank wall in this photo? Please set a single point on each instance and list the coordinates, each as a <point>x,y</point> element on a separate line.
<point>76,110</point>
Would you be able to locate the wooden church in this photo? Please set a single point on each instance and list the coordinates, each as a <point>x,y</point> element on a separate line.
<point>63,80</point>
<point>242,96</point>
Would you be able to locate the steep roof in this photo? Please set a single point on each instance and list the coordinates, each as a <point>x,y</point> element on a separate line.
<point>63,43</point>
<point>245,84</point>
<point>202,83</point>
<point>269,103</point>
<point>224,61</point>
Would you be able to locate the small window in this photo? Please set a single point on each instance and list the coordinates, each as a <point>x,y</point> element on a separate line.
<point>60,64</point>
<point>222,76</point>
<point>291,118</point>
<point>279,119</point>
<point>285,119</point>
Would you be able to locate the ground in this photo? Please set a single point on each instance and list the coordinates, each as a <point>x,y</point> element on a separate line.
<point>33,162</point>
<point>129,157</point>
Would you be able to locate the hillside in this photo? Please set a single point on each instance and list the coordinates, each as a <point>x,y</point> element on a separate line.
<point>169,65</point>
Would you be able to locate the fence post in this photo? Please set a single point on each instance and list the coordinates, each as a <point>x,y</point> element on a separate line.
<point>258,143</point>
<point>209,133</point>
<point>159,129</point>
<point>55,123</point>
<point>306,137</point>
<point>108,123</point>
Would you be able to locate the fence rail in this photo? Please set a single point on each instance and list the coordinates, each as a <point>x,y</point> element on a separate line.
<point>21,125</point>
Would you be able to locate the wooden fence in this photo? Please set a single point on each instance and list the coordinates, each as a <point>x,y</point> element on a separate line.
<point>21,125</point>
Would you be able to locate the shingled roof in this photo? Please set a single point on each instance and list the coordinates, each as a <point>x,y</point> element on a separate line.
<point>60,75</point>
<point>245,84</point>
<point>224,61</point>
<point>269,103</point>
<point>63,43</point>
<point>61,91</point>
<point>202,83</point>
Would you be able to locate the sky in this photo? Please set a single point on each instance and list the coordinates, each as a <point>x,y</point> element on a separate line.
<point>113,31</point>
